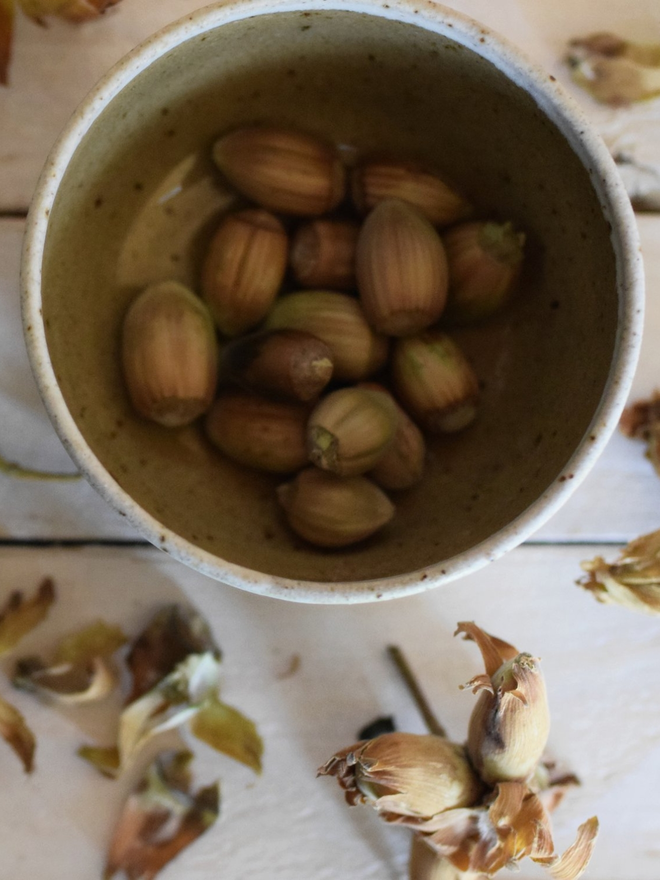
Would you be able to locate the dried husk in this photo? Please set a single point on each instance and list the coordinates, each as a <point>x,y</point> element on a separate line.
<point>338,319</point>
<point>332,511</point>
<point>169,355</point>
<point>286,364</point>
<point>401,269</point>
<point>434,381</point>
<point>227,730</point>
<point>375,180</point>
<point>20,616</point>
<point>633,581</point>
<point>615,71</point>
<point>17,735</point>
<point>510,723</point>
<point>283,170</point>
<point>258,432</point>
<point>426,864</point>
<point>350,429</point>
<point>323,254</point>
<point>160,818</point>
<point>484,262</point>
<point>405,775</point>
<point>243,269</point>
<point>641,421</point>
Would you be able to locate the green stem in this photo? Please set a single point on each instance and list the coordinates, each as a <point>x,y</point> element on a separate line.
<point>415,691</point>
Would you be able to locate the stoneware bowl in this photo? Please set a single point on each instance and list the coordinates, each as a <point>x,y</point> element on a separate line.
<point>129,196</point>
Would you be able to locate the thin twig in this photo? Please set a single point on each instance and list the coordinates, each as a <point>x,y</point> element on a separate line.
<point>420,700</point>
<point>11,469</point>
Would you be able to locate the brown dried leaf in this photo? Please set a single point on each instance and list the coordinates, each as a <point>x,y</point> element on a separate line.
<point>641,421</point>
<point>20,616</point>
<point>7,8</point>
<point>161,818</point>
<point>493,650</point>
<point>228,731</point>
<point>172,635</point>
<point>17,734</point>
<point>104,758</point>
<point>574,861</point>
<point>632,581</point>
<point>615,71</point>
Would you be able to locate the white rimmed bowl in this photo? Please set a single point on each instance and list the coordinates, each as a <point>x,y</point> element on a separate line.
<point>128,197</point>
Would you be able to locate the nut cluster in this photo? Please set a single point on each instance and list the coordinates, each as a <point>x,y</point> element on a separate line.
<point>319,287</point>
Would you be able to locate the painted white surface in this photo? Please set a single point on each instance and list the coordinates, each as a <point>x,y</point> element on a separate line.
<point>600,662</point>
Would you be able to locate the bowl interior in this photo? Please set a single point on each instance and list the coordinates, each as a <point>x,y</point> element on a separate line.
<point>140,198</point>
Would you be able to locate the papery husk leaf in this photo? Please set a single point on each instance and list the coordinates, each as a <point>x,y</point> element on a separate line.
<point>615,71</point>
<point>160,819</point>
<point>632,581</point>
<point>405,775</point>
<point>104,758</point>
<point>98,639</point>
<point>17,734</point>
<point>7,10</point>
<point>574,861</point>
<point>65,682</point>
<point>174,700</point>
<point>228,731</point>
<point>173,634</point>
<point>493,650</point>
<point>19,616</point>
<point>426,864</point>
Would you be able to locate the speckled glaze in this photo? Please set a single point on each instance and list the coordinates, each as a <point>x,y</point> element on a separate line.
<point>129,197</point>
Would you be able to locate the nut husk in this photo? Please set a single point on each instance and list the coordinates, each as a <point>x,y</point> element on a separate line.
<point>379,179</point>
<point>261,433</point>
<point>169,354</point>
<point>402,464</point>
<point>434,381</point>
<point>485,260</point>
<point>401,269</point>
<point>332,511</point>
<point>286,171</point>
<point>337,319</point>
<point>323,254</point>
<point>243,270</point>
<point>350,429</point>
<point>287,364</point>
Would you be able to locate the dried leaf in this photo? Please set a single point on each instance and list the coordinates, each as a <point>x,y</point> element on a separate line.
<point>17,734</point>
<point>104,758</point>
<point>173,634</point>
<point>425,864</point>
<point>160,819</point>
<point>7,8</point>
<point>632,581</point>
<point>20,616</point>
<point>228,731</point>
<point>493,650</point>
<point>641,421</point>
<point>574,861</point>
<point>615,71</point>
<point>172,702</point>
<point>81,671</point>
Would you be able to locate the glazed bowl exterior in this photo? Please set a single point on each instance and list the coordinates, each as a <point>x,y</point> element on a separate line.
<point>129,196</point>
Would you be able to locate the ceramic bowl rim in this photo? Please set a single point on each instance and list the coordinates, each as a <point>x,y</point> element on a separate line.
<point>554,103</point>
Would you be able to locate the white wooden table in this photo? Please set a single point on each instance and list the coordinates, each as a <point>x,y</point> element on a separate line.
<point>601,663</point>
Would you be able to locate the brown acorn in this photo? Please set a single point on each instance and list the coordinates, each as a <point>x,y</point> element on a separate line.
<point>402,464</point>
<point>435,382</point>
<point>261,433</point>
<point>323,254</point>
<point>286,171</point>
<point>401,269</point>
<point>379,179</point>
<point>243,270</point>
<point>169,354</point>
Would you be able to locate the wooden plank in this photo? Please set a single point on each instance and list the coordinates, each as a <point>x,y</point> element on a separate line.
<point>600,664</point>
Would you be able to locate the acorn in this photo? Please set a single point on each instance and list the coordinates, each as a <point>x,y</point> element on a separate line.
<point>286,171</point>
<point>375,180</point>
<point>332,511</point>
<point>323,254</point>
<point>257,432</point>
<point>243,270</point>
<point>402,464</point>
<point>435,382</point>
<point>401,269</point>
<point>337,319</point>
<point>169,355</point>
<point>288,364</point>
<point>485,260</point>
<point>350,429</point>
